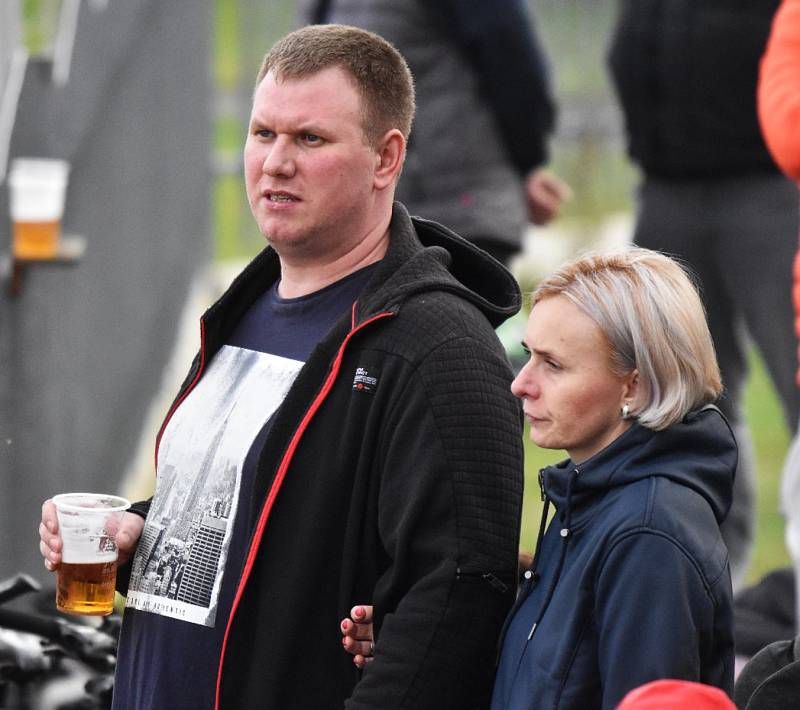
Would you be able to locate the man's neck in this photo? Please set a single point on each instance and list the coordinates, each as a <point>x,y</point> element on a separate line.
<point>300,279</point>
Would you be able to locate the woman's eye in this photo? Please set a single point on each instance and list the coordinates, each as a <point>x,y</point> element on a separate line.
<point>552,365</point>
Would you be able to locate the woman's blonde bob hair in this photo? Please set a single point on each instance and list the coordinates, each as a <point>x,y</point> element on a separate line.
<point>651,315</point>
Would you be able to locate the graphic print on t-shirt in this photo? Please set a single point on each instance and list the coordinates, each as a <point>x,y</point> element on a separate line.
<point>178,566</point>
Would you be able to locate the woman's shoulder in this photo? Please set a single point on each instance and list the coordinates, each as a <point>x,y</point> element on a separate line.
<point>662,509</point>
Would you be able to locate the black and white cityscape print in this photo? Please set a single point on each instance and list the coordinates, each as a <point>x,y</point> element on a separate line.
<point>178,566</point>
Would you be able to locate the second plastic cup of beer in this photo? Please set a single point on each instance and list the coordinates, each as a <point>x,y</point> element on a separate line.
<point>87,575</point>
<point>37,188</point>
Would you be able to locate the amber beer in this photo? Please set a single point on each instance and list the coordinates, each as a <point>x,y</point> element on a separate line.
<point>37,188</point>
<point>86,588</point>
<point>36,240</point>
<point>88,523</point>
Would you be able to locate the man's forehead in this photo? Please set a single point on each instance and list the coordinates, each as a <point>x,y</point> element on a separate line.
<point>322,96</point>
<point>334,74</point>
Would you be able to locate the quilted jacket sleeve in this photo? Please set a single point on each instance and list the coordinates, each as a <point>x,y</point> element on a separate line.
<point>450,501</point>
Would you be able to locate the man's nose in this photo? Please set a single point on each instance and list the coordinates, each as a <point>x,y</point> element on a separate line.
<point>279,161</point>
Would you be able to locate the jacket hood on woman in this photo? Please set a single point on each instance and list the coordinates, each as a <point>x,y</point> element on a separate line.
<point>631,581</point>
<point>695,453</point>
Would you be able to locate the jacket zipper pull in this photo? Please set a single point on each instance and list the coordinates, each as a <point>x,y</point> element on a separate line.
<point>541,484</point>
<point>491,579</point>
<point>495,582</point>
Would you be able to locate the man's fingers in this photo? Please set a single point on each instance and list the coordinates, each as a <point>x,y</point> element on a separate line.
<point>127,537</point>
<point>130,530</point>
<point>49,517</point>
<point>49,540</point>
<point>51,557</point>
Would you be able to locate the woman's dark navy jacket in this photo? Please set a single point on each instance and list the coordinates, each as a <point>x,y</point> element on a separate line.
<point>632,582</point>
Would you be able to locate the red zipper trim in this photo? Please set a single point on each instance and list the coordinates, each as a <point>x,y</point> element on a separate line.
<point>186,392</point>
<point>276,483</point>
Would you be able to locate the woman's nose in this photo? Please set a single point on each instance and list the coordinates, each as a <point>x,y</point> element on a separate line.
<point>524,384</point>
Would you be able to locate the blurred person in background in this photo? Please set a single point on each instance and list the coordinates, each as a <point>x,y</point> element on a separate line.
<point>484,113</point>
<point>779,114</point>
<point>685,72</point>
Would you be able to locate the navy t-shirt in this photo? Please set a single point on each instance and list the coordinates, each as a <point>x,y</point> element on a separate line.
<point>186,568</point>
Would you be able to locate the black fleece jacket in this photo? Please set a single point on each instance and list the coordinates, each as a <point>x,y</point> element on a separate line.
<point>405,492</point>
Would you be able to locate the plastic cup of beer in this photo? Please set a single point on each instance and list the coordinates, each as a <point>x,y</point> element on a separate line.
<point>87,575</point>
<point>37,188</point>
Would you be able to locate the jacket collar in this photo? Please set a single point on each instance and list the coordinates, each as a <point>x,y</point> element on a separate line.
<point>698,452</point>
<point>423,256</point>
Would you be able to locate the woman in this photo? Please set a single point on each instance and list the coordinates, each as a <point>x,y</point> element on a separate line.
<point>630,582</point>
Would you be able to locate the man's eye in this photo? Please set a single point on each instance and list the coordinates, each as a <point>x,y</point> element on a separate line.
<point>264,133</point>
<point>552,365</point>
<point>526,349</point>
<point>311,138</point>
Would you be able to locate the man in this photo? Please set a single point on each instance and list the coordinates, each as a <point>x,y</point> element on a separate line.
<point>347,431</point>
<point>485,113</point>
<point>686,72</point>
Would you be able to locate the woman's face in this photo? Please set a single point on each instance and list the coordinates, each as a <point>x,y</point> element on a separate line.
<point>570,396</point>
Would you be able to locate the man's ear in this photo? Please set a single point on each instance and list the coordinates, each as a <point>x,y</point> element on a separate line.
<point>389,158</point>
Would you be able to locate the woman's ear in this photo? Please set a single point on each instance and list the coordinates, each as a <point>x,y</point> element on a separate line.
<point>630,387</point>
<point>389,158</point>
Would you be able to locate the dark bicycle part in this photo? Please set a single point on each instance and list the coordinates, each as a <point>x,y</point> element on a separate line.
<point>17,586</point>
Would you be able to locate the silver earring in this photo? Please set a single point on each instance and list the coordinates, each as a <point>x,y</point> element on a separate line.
<point>626,411</point>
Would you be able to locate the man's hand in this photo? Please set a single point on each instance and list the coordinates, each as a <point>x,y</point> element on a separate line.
<point>545,193</point>
<point>357,637</point>
<point>50,544</point>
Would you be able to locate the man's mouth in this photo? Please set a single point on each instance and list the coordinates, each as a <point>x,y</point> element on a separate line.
<point>280,197</point>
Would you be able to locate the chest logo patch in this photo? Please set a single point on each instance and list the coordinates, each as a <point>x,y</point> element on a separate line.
<point>364,381</point>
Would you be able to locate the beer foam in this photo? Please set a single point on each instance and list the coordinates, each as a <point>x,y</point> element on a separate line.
<point>87,549</point>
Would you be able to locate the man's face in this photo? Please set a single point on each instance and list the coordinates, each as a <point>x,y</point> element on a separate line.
<point>308,169</point>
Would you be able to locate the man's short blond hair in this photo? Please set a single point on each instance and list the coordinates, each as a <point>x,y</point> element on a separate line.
<point>651,316</point>
<point>377,69</point>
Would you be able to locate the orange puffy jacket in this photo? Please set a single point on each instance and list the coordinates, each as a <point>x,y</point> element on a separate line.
<point>779,108</point>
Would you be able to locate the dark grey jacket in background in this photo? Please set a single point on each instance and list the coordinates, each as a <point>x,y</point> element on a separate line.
<point>771,679</point>
<point>484,109</point>
<point>686,73</point>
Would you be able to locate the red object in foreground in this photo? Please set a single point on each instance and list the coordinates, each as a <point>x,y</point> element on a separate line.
<point>676,695</point>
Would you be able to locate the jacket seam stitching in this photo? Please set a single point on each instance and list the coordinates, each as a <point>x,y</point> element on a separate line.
<point>622,537</point>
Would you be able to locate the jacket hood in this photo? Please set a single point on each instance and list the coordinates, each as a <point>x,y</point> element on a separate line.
<point>425,256</point>
<point>698,452</point>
